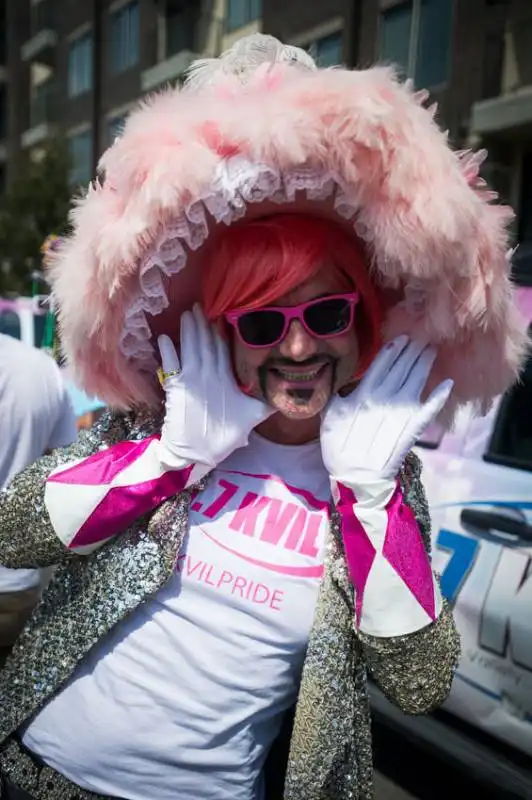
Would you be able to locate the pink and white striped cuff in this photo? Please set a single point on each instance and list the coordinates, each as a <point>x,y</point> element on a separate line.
<point>396,592</point>
<point>91,500</point>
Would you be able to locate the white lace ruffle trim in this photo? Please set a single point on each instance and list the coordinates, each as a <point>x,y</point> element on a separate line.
<point>237,184</point>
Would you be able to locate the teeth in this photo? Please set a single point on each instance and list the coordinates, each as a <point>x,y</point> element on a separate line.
<point>300,376</point>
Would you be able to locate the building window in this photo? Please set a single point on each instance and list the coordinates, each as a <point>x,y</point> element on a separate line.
<point>3,112</point>
<point>3,43</point>
<point>180,27</point>
<point>525,199</point>
<point>522,260</point>
<point>241,12</point>
<point>395,34</point>
<point>431,436</point>
<point>327,51</point>
<point>115,127</point>
<point>80,57</point>
<point>43,102</point>
<point>124,38</point>
<point>416,36</point>
<point>80,152</point>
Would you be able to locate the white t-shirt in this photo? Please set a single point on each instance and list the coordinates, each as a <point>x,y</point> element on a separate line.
<point>184,698</point>
<point>35,415</point>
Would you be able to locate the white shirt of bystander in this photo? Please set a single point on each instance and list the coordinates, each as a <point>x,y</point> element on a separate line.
<point>35,416</point>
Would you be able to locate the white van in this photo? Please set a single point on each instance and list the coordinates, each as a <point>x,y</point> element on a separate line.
<point>478,480</point>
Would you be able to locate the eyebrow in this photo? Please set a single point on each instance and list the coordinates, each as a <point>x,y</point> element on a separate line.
<point>310,300</point>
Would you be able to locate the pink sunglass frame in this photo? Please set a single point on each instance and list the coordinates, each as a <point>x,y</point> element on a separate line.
<point>294,312</point>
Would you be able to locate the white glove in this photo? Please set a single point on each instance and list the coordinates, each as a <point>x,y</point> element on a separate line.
<point>364,438</point>
<point>366,435</point>
<point>207,415</point>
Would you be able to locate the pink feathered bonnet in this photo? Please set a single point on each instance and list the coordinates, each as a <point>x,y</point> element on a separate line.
<point>261,129</point>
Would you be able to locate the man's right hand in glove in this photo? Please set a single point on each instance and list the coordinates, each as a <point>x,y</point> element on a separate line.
<point>207,417</point>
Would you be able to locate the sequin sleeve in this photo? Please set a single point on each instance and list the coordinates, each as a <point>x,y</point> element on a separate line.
<point>91,500</point>
<point>27,537</point>
<point>415,671</point>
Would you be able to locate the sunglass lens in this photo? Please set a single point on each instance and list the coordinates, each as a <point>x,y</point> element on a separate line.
<point>261,328</point>
<point>328,317</point>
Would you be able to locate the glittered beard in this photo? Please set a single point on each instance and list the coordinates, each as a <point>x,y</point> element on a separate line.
<point>300,396</point>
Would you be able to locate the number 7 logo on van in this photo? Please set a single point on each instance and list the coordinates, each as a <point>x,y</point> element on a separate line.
<point>464,551</point>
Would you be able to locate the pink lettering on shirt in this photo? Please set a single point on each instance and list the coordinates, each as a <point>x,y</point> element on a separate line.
<point>311,499</point>
<point>306,571</point>
<point>222,580</point>
<point>278,518</point>
<point>228,492</point>
<point>245,518</point>
<point>309,544</point>
<point>192,568</point>
<point>296,531</point>
<point>256,527</point>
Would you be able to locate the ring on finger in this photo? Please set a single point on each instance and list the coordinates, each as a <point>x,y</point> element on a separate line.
<point>164,376</point>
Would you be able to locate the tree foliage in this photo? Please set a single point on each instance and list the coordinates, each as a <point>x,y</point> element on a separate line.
<point>35,205</point>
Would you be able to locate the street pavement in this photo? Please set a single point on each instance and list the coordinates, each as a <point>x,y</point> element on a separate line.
<point>385,789</point>
<point>406,773</point>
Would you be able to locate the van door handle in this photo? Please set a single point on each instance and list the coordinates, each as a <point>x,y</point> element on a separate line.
<point>491,520</point>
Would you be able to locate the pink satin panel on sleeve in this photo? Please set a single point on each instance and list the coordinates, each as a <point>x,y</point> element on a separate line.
<point>405,551</point>
<point>123,505</point>
<point>102,467</point>
<point>403,548</point>
<point>359,551</point>
<point>112,489</point>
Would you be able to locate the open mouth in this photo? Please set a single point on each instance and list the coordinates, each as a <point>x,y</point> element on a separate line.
<point>297,376</point>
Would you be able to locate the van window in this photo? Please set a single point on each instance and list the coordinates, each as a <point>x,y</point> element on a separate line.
<point>511,443</point>
<point>10,324</point>
<point>39,323</point>
<point>431,436</point>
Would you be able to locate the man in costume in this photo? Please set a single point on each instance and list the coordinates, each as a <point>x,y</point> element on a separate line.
<point>315,277</point>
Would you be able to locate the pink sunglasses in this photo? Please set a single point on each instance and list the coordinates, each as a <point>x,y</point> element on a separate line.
<point>322,318</point>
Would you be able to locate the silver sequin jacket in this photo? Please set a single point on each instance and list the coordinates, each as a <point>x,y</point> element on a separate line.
<point>330,751</point>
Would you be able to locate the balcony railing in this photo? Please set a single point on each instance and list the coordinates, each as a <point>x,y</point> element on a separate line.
<point>42,17</point>
<point>42,40</point>
<point>508,59</point>
<point>181,31</point>
<point>178,32</point>
<point>170,55</point>
<point>3,113</point>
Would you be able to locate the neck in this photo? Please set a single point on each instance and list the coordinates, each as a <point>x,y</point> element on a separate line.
<point>284,430</point>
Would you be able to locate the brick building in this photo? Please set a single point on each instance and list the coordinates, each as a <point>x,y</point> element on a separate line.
<point>78,68</point>
<point>474,57</point>
<point>501,118</point>
<point>3,94</point>
<point>438,43</point>
<point>328,29</point>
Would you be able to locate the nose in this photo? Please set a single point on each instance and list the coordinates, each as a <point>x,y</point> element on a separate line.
<point>298,345</point>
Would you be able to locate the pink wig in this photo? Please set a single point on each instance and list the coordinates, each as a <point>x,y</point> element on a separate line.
<point>262,131</point>
<point>253,264</point>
